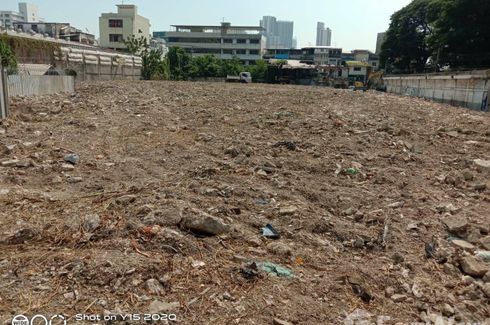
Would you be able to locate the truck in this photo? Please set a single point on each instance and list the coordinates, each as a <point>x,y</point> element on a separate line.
<point>243,77</point>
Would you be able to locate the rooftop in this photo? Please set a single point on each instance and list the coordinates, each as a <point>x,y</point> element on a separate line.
<point>357,64</point>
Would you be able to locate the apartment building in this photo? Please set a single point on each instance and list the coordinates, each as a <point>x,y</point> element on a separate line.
<point>323,55</point>
<point>27,13</point>
<point>323,35</point>
<point>117,27</point>
<point>278,33</point>
<point>224,41</point>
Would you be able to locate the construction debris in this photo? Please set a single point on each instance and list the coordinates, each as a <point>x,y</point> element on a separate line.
<point>161,210</point>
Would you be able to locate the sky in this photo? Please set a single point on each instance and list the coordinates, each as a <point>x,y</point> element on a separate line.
<point>354,23</point>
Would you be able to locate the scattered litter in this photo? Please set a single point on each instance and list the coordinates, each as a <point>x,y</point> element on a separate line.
<point>270,232</point>
<point>72,158</point>
<point>351,171</point>
<point>275,269</point>
<point>288,144</point>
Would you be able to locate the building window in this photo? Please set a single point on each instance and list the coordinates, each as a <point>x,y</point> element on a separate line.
<point>254,41</point>
<point>241,51</point>
<point>357,69</point>
<point>228,52</point>
<point>228,40</point>
<point>117,38</point>
<point>241,41</point>
<point>115,23</point>
<point>254,52</point>
<point>374,64</point>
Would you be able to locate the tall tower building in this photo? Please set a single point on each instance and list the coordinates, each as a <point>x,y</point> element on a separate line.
<point>323,35</point>
<point>279,33</point>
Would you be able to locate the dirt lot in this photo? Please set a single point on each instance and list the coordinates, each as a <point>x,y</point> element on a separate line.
<point>381,203</point>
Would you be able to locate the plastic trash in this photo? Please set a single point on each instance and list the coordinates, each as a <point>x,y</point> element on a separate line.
<point>269,232</point>
<point>484,255</point>
<point>351,171</point>
<point>275,269</point>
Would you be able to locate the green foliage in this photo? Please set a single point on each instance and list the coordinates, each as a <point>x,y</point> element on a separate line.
<point>178,63</point>
<point>28,50</point>
<point>154,65</point>
<point>7,56</point>
<point>450,32</point>
<point>135,45</point>
<point>259,71</point>
<point>204,67</point>
<point>462,33</point>
<point>231,67</point>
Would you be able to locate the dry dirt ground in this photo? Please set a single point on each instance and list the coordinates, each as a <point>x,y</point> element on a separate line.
<point>381,203</point>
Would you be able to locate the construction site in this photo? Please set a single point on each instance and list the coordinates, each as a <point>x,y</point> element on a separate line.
<point>214,203</point>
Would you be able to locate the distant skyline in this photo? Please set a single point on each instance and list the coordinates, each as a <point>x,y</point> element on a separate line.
<point>355,24</point>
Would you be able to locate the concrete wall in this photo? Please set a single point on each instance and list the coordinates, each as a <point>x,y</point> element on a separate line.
<point>19,85</point>
<point>468,89</point>
<point>99,65</point>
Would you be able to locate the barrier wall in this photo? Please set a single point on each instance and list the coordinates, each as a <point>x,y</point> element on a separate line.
<point>468,89</point>
<point>25,85</point>
<point>99,65</point>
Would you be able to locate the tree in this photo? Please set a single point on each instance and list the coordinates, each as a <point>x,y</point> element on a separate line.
<point>178,63</point>
<point>231,67</point>
<point>406,48</point>
<point>205,66</point>
<point>461,34</point>
<point>154,65</point>
<point>7,56</point>
<point>135,45</point>
<point>259,71</point>
<point>450,32</point>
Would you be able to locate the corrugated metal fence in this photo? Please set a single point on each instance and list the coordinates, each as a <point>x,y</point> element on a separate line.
<point>24,85</point>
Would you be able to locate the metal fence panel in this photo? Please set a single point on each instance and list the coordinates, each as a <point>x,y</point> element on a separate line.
<point>25,85</point>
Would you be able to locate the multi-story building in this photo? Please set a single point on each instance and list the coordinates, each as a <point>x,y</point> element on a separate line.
<point>323,35</point>
<point>117,27</point>
<point>27,13</point>
<point>56,30</point>
<point>379,42</point>
<point>224,41</point>
<point>322,55</point>
<point>283,54</point>
<point>285,30</point>
<point>366,56</point>
<point>278,33</point>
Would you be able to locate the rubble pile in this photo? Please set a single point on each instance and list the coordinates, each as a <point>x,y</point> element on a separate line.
<point>244,204</point>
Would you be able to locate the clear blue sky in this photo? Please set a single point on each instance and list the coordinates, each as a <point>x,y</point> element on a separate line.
<point>354,23</point>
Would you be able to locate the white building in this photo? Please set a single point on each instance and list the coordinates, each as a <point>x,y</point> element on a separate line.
<point>323,35</point>
<point>224,41</point>
<point>117,27</point>
<point>27,13</point>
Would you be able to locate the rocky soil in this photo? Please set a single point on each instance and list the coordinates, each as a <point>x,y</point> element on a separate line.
<point>142,197</point>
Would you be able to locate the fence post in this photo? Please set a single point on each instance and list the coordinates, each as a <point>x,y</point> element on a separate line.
<point>4,100</point>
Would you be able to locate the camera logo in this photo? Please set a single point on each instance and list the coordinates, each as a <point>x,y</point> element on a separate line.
<point>24,320</point>
<point>20,320</point>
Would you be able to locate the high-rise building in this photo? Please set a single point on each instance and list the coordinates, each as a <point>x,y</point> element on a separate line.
<point>379,42</point>
<point>278,33</point>
<point>323,35</point>
<point>285,31</point>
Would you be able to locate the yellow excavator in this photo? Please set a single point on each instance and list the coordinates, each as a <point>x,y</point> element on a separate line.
<point>375,81</point>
